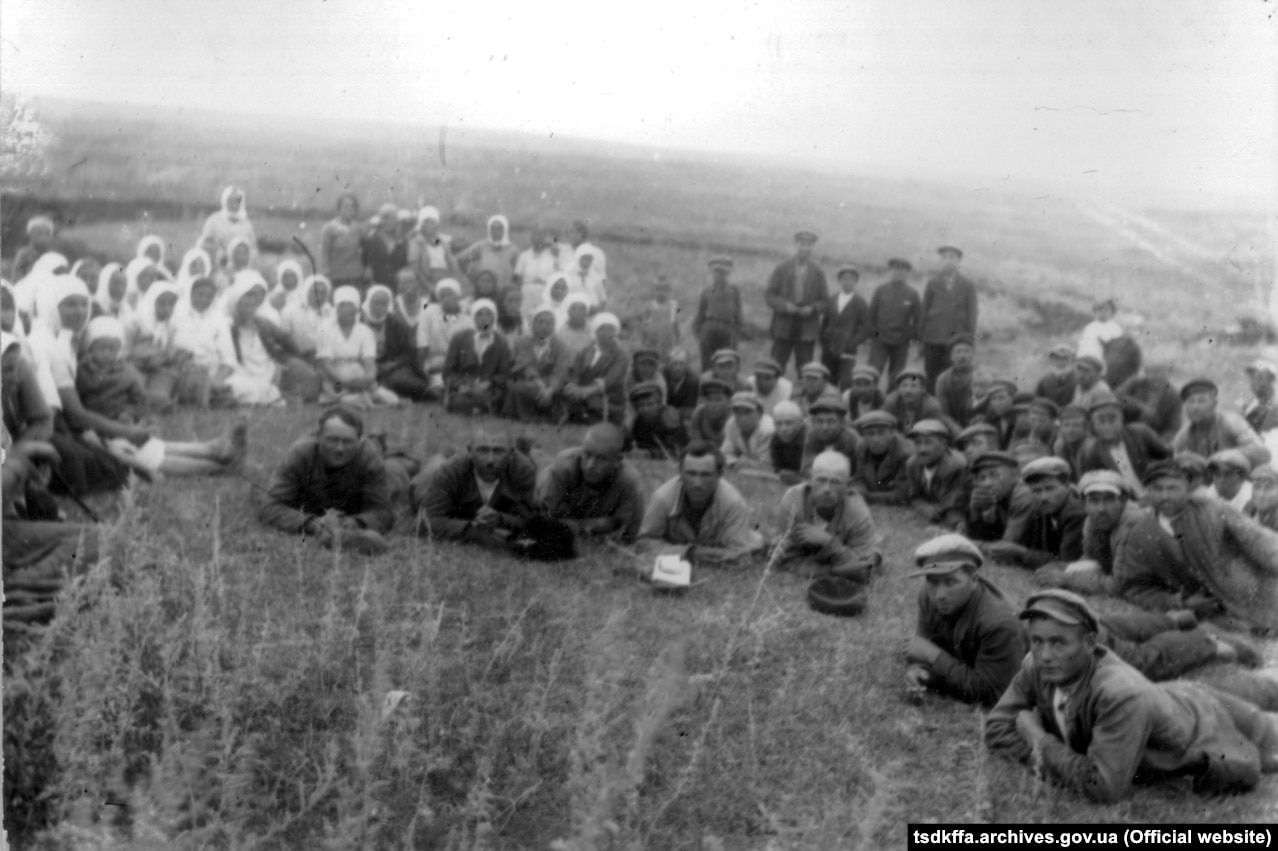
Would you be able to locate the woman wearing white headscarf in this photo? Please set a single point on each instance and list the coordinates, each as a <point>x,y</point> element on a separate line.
<point>477,366</point>
<point>585,277</point>
<point>496,254</point>
<point>46,265</point>
<point>168,371</point>
<point>264,354</point>
<point>227,224</point>
<point>40,230</point>
<point>574,326</point>
<point>429,253</point>
<point>154,248</point>
<point>347,356</point>
<point>302,319</point>
<point>596,388</point>
<point>87,270</point>
<point>139,275</point>
<point>288,282</point>
<point>196,263</point>
<point>441,320</point>
<point>111,296</point>
<point>202,328</point>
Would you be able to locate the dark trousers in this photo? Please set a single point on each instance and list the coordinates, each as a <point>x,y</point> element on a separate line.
<point>713,337</point>
<point>936,359</point>
<point>1151,643</point>
<point>804,351</point>
<point>840,367</point>
<point>895,356</point>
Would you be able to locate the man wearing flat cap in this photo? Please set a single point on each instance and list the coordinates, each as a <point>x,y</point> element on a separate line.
<point>864,394</point>
<point>769,385</point>
<point>998,497</point>
<point>725,366</point>
<point>1127,449</point>
<point>910,402</point>
<point>937,475</point>
<point>954,385</point>
<point>797,293</point>
<point>655,429</point>
<point>828,430</point>
<point>845,327</point>
<point>968,644</point>
<point>1111,515</point>
<point>881,459</point>
<point>1260,412</point>
<point>719,319</point>
<point>895,309</point>
<point>948,310</point>
<point>711,416</point>
<point>997,410</point>
<point>1089,384</point>
<point>1207,430</point>
<point>1098,725</point>
<point>1060,382</point>
<point>1200,554</point>
<point>1230,478</point>
<point>1053,531</point>
<point>828,527</point>
<point>814,386</point>
<point>747,436</point>
<point>977,438</point>
<point>1264,496</point>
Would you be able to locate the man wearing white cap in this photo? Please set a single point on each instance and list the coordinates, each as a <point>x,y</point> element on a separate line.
<point>968,644</point>
<point>828,527</point>
<point>596,388</point>
<point>747,437</point>
<point>1098,725</point>
<point>1053,531</point>
<point>814,386</point>
<point>1260,412</point>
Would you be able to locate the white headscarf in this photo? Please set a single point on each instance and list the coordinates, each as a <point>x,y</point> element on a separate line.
<point>79,264</point>
<point>505,235</point>
<point>602,319</point>
<point>49,263</point>
<point>448,284</point>
<point>368,302</point>
<point>426,213</point>
<point>185,275</point>
<point>104,328</point>
<point>230,250</point>
<point>304,294</point>
<point>18,331</point>
<point>226,198</point>
<point>131,273</point>
<point>55,290</point>
<point>27,289</point>
<point>484,304</point>
<point>246,280</point>
<point>289,266</point>
<point>346,295</point>
<point>103,294</point>
<point>161,332</point>
<point>147,241</point>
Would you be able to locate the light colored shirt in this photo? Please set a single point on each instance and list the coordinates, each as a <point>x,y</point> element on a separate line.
<point>757,447</point>
<point>1118,452</point>
<point>725,525</point>
<point>782,391</point>
<point>336,345</point>
<point>536,267</point>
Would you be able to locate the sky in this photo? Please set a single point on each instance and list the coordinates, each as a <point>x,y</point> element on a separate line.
<point>1077,95</point>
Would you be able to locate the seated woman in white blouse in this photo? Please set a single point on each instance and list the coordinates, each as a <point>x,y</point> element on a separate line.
<point>346,354</point>
<point>441,321</point>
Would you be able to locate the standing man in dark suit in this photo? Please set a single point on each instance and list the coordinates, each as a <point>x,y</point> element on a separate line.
<point>846,326</point>
<point>797,293</point>
<point>949,309</point>
<point>719,318</point>
<point>894,320</point>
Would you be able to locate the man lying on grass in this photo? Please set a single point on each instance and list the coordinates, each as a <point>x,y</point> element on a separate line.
<point>1098,725</point>
<point>333,486</point>
<point>592,488</point>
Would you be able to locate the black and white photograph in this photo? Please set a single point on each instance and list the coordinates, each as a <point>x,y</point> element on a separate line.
<point>721,425</point>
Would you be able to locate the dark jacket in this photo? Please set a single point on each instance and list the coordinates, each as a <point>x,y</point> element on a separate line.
<point>722,306</point>
<point>685,394</point>
<point>1013,511</point>
<point>450,497</point>
<point>948,309</point>
<point>461,364</point>
<point>894,313</point>
<point>1154,402</point>
<point>948,492</point>
<point>612,367</point>
<point>1058,387</point>
<point>302,487</point>
<point>954,395</point>
<point>664,436</point>
<point>399,348</point>
<point>564,494</point>
<point>384,262</point>
<point>881,479</point>
<point>847,442</point>
<point>551,368</point>
<point>1055,538</point>
<point>783,287</point>
<point>926,408</point>
<point>843,331</point>
<point>981,646</point>
<point>788,457</point>
<point>1143,448</point>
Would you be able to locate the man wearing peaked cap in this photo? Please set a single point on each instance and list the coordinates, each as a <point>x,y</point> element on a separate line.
<point>828,429</point>
<point>814,386</point>
<point>1111,515</point>
<point>1126,448</point>
<point>1207,430</point>
<point>1096,723</point>
<point>954,391</point>
<point>719,317</point>
<point>1089,383</point>
<point>1053,531</point>
<point>1261,412</point>
<point>1264,496</point>
<point>769,384</point>
<point>968,644</point>
<point>977,438</point>
<point>725,365</point>
<point>997,410</point>
<point>655,429</point>
<point>747,436</point>
<point>937,475</point>
<point>863,394</point>
<point>828,528</point>
<point>998,496</point>
<point>895,309</point>
<point>881,459</point>
<point>846,325</point>
<point>711,416</point>
<point>909,402</point>
<point>798,294</point>
<point>1230,478</point>
<point>948,309</point>
<point>1059,384</point>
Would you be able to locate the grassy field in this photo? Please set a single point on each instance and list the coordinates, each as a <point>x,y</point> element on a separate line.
<point>224,686</point>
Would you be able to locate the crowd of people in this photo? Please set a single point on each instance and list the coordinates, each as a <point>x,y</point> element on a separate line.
<point>1103,479</point>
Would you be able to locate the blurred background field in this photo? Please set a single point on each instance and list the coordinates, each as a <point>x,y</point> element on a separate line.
<point>225,686</point>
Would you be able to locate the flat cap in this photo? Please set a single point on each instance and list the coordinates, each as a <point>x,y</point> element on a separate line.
<point>1045,406</point>
<point>963,338</point>
<point>747,399</point>
<point>1003,384</point>
<point>1264,473</point>
<point>945,554</point>
<point>1028,449</point>
<point>646,354</point>
<point>973,430</point>
<point>1231,458</point>
<point>1191,462</point>
<point>1263,366</point>
<point>815,368</point>
<point>866,371</point>
<point>1104,400</point>
<point>848,270</point>
<point>1022,401</point>
<point>1103,481</point>
<point>721,261</point>
<point>1062,350</point>
<point>910,372</point>
<point>1047,466</point>
<point>1061,606</point>
<point>1198,385</point>
<point>994,458</point>
<point>949,249</point>
<point>1164,470</point>
<point>1092,361</point>
<point>805,236</point>
<point>767,365</point>
<point>725,355</point>
<point>898,263</point>
<point>714,385</point>
<point>645,388</point>
<point>828,405</point>
<point>933,427</point>
<point>875,419</point>
<point>1072,411</point>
